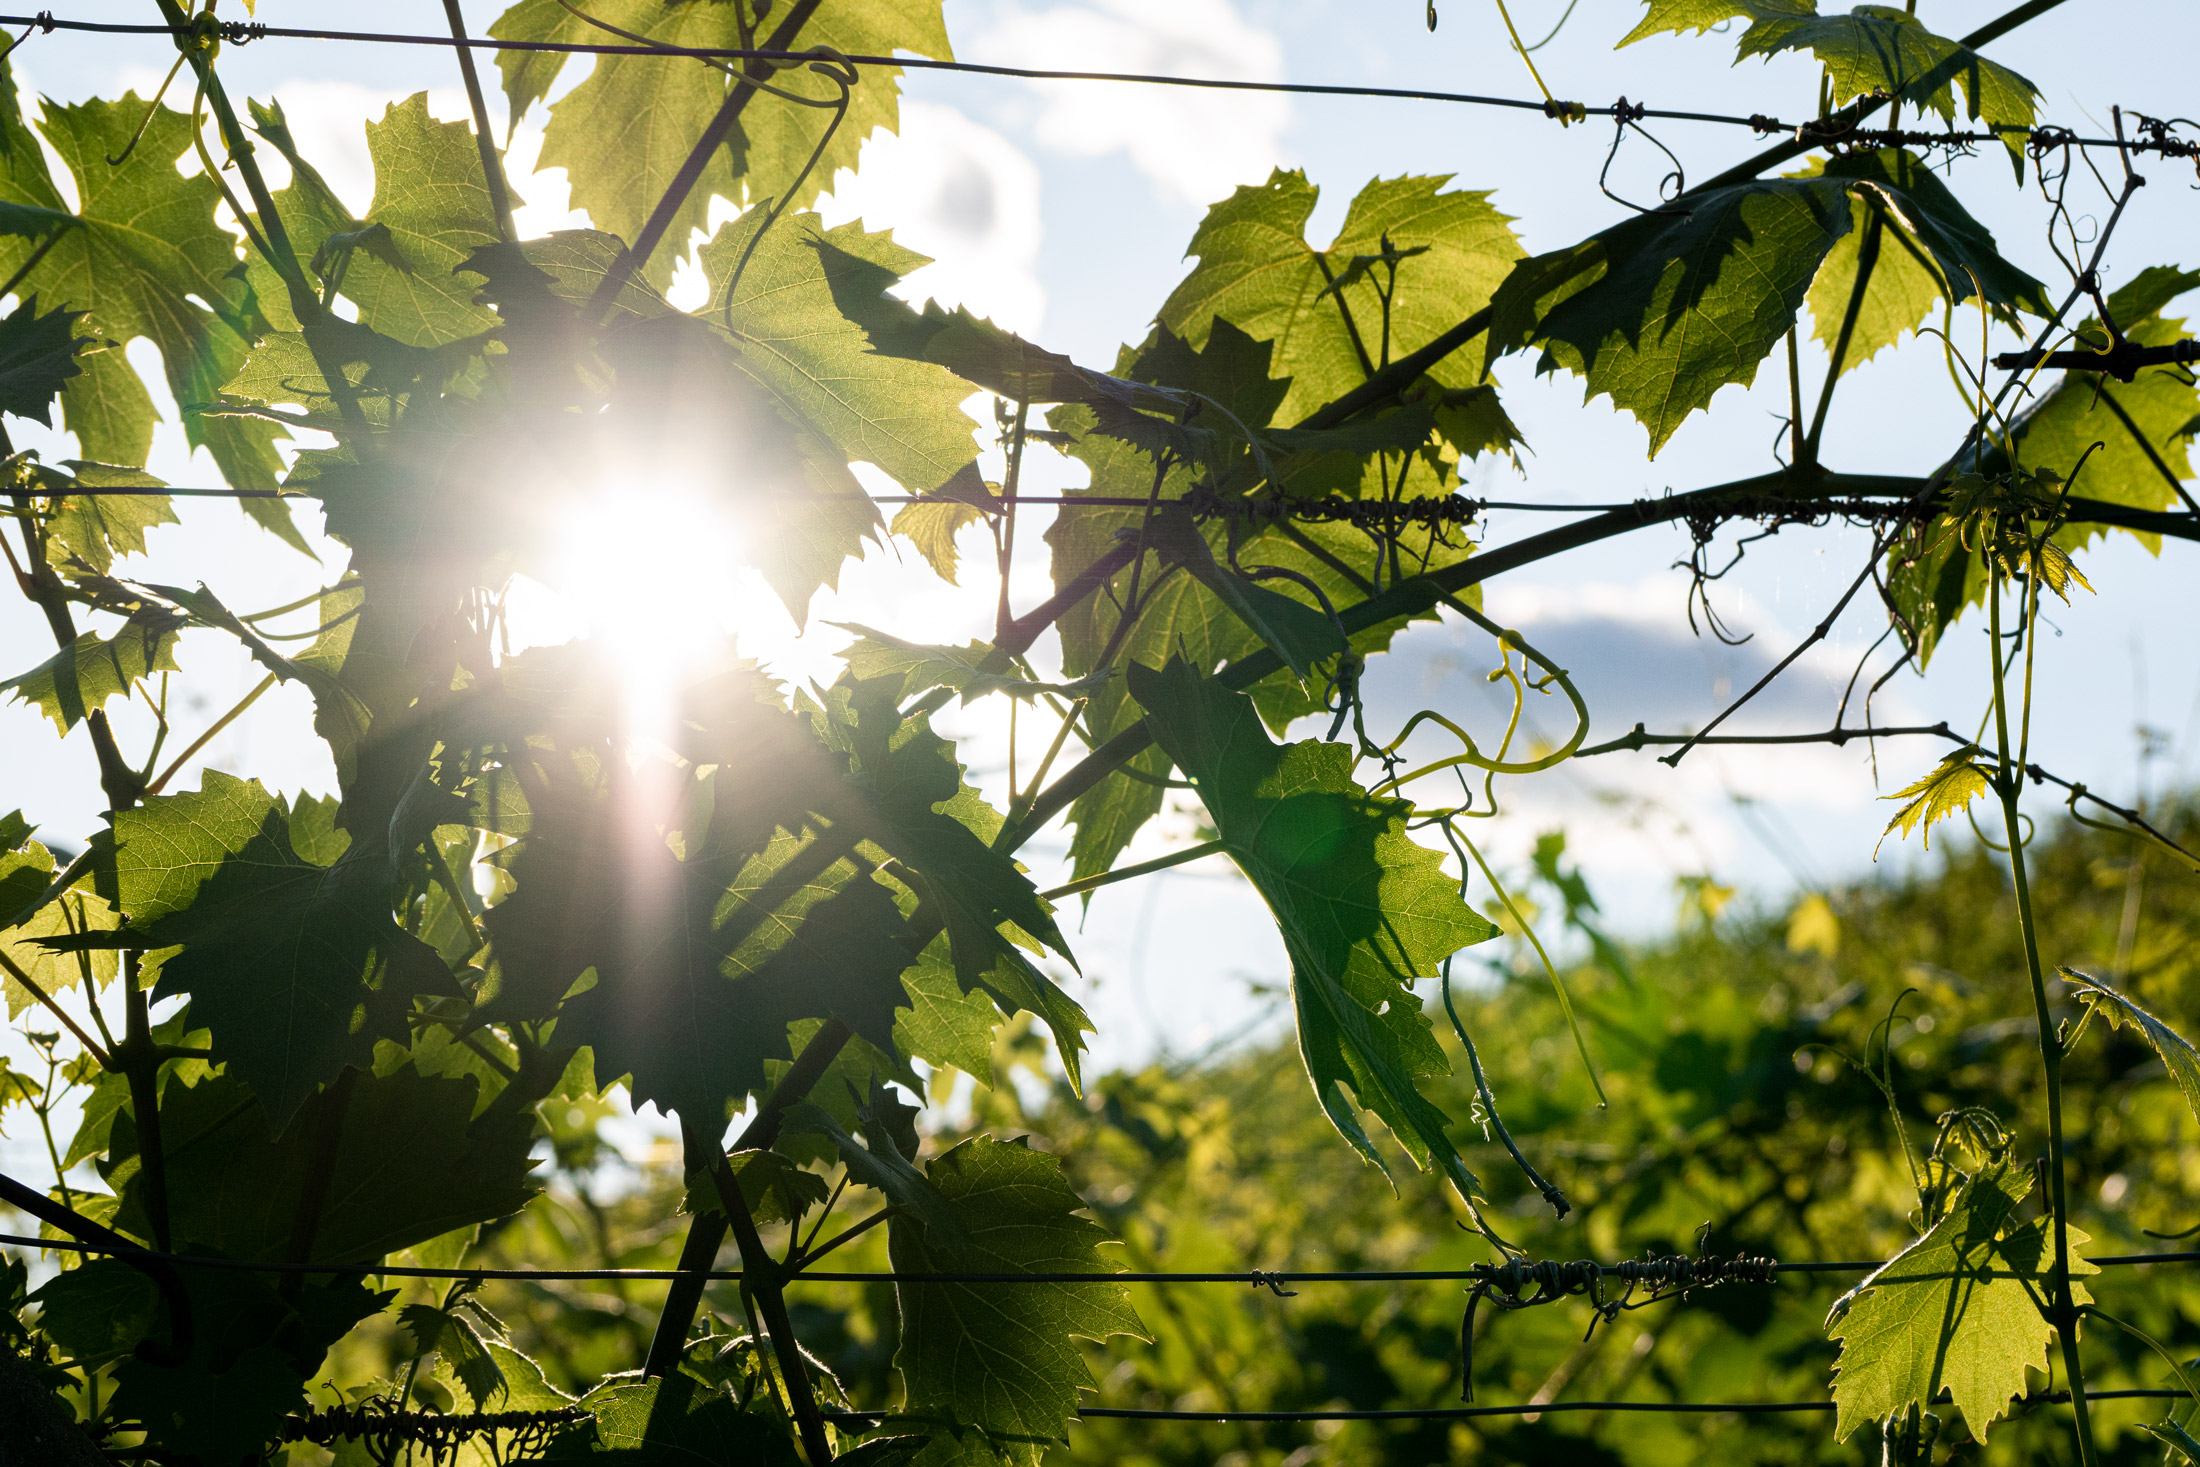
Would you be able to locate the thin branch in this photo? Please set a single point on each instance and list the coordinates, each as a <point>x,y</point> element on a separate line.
<point>31,986</point>
<point>1143,868</point>
<point>1641,738</point>
<point>208,737</point>
<point>1817,635</point>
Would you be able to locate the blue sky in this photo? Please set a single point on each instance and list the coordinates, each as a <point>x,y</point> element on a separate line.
<point>1063,209</point>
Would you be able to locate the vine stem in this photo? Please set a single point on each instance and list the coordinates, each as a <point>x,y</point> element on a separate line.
<point>763,1278</point>
<point>2008,781</point>
<point>492,167</point>
<point>708,1230</point>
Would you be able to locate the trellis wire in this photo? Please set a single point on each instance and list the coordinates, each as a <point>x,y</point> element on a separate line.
<point>1674,1269</point>
<point>1530,1408</point>
<point>1815,130</point>
<point>1259,1278</point>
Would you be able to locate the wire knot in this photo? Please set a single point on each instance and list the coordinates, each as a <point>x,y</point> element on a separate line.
<point>1624,111</point>
<point>44,22</point>
<point>238,32</point>
<point>1273,1283</point>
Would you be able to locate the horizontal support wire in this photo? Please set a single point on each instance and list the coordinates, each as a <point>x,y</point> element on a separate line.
<point>1270,1280</point>
<point>240,32</point>
<point>1259,1278</point>
<point>1459,1413</point>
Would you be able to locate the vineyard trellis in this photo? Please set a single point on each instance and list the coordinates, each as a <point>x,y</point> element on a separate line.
<point>732,910</point>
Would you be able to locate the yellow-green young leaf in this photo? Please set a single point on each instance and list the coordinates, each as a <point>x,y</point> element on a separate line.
<point>2178,1056</point>
<point>1257,271</point>
<point>24,876</point>
<point>430,195</point>
<point>2141,425</point>
<point>1662,310</point>
<point>1953,1311</point>
<point>1813,928</point>
<point>1948,790</point>
<point>932,527</point>
<point>1363,909</point>
<point>79,679</point>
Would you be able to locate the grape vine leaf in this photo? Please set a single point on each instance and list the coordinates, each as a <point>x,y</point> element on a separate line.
<point>624,132</point>
<point>1955,1310</point>
<point>762,923</point>
<point>412,1162</point>
<point>693,411</point>
<point>25,876</point>
<point>296,968</point>
<point>2143,456</point>
<point>1363,909</point>
<point>1945,792</point>
<point>1930,249</point>
<point>80,678</point>
<point>1180,613</point>
<point>2178,1055</point>
<point>90,530</point>
<point>1870,49</point>
<point>254,1348</point>
<point>877,654</point>
<point>931,526</point>
<point>429,195</point>
<point>1662,310</point>
<point>147,260</point>
<point>1257,271</point>
<point>37,358</point>
<point>943,1024</point>
<point>999,1358</point>
<point>2140,424</point>
<point>790,314</point>
<point>673,1421</point>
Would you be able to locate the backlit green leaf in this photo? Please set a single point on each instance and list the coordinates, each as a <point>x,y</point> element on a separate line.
<point>80,678</point>
<point>1930,249</point>
<point>1662,310</point>
<point>2178,1056</point>
<point>297,968</point>
<point>25,876</point>
<point>430,195</point>
<point>1870,49</point>
<point>1364,910</point>
<point>624,132</point>
<point>1001,1358</point>
<point>1954,1311</point>
<point>1257,271</point>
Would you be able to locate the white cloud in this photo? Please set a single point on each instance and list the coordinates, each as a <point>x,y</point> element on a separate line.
<point>1195,145</point>
<point>961,193</point>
